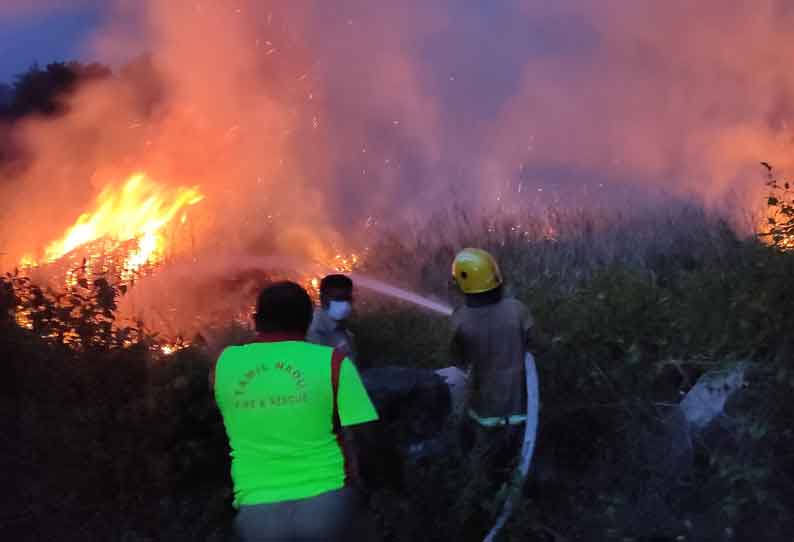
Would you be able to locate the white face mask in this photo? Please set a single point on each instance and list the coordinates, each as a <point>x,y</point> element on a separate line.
<point>339,310</point>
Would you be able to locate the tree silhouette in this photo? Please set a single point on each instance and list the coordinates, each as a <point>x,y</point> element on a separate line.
<point>6,95</point>
<point>43,91</point>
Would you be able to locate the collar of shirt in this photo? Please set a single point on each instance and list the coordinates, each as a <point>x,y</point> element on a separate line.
<point>326,322</point>
<point>278,336</point>
<point>484,299</point>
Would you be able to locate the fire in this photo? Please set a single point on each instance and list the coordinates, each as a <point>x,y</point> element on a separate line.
<point>169,349</point>
<point>783,240</point>
<point>123,235</point>
<point>340,263</point>
<point>136,211</point>
<point>345,264</point>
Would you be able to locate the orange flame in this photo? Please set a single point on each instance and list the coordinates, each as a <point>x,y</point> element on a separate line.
<point>138,210</point>
<point>340,263</point>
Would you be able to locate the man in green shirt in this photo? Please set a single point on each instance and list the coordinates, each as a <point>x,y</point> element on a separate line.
<point>287,406</point>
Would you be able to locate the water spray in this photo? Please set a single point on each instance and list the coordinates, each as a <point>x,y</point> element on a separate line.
<point>357,278</point>
<point>399,293</point>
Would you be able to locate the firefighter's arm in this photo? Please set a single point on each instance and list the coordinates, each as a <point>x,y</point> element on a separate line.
<point>456,350</point>
<point>458,360</point>
<point>456,347</point>
<point>534,340</point>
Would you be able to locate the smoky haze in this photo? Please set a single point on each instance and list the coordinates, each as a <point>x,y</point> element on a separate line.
<point>321,115</point>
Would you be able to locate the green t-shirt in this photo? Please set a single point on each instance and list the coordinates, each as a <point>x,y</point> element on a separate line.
<point>276,399</point>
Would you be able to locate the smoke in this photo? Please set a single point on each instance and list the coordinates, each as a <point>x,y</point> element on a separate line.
<point>206,110</point>
<point>314,118</point>
<point>689,94</point>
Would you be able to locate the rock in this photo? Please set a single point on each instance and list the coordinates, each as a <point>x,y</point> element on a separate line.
<point>707,398</point>
<point>666,441</point>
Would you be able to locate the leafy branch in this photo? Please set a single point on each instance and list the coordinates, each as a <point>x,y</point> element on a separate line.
<point>780,222</point>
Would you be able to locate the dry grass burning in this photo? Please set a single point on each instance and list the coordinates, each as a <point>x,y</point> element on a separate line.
<point>127,222</point>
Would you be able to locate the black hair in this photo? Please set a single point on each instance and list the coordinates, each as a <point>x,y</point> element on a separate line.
<point>335,282</point>
<point>283,306</point>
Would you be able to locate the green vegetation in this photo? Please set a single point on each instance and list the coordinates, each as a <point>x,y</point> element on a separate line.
<point>631,312</point>
<point>113,440</point>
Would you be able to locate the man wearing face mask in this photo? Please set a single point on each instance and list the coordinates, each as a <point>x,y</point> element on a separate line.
<point>328,326</point>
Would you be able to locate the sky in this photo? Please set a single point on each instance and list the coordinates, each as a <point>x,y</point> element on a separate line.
<point>44,35</point>
<point>354,109</point>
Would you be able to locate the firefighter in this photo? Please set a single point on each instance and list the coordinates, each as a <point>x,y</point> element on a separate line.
<point>329,325</point>
<point>289,407</point>
<point>490,336</point>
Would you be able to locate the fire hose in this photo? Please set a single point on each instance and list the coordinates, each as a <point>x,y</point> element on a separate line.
<point>527,447</point>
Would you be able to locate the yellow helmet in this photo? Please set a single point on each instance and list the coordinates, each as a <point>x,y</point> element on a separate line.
<point>476,271</point>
